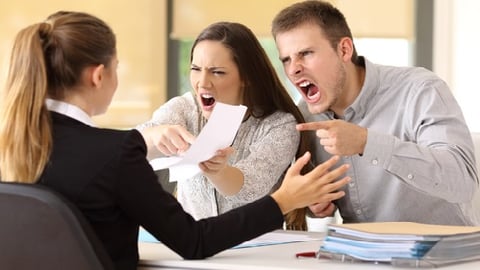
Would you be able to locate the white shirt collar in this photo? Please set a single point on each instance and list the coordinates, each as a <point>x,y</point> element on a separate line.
<point>69,110</point>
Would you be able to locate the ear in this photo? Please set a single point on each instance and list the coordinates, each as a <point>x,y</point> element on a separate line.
<point>345,48</point>
<point>97,73</point>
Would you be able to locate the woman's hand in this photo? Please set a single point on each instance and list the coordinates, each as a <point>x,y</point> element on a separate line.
<point>227,180</point>
<point>217,163</point>
<point>319,186</point>
<point>168,139</point>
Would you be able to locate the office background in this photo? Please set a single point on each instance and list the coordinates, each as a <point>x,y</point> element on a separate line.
<point>154,38</point>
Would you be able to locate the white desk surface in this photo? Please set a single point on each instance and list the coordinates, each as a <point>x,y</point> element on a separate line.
<point>272,257</point>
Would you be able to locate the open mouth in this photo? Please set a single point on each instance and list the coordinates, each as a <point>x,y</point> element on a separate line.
<point>309,89</point>
<point>207,100</point>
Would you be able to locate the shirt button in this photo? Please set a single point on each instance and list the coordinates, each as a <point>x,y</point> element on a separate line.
<point>410,176</point>
<point>358,211</point>
<point>375,161</point>
<point>351,184</point>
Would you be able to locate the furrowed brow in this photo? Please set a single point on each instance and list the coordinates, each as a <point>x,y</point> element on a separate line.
<point>284,59</point>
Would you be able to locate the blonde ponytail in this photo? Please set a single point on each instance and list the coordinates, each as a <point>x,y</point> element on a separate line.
<point>25,129</point>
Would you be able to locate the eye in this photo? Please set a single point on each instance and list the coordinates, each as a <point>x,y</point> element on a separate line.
<point>194,68</point>
<point>218,72</point>
<point>285,60</point>
<point>305,53</point>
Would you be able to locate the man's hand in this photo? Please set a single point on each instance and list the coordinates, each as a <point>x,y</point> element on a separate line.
<point>322,210</point>
<point>338,137</point>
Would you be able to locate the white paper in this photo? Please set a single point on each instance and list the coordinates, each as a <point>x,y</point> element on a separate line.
<point>278,237</point>
<point>218,133</point>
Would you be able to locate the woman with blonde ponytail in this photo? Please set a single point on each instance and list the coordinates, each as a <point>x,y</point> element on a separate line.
<point>63,72</point>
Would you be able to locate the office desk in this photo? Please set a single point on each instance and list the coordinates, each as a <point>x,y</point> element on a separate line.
<point>272,257</point>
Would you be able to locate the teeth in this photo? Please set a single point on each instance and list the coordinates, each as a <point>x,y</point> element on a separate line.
<point>305,84</point>
<point>206,96</point>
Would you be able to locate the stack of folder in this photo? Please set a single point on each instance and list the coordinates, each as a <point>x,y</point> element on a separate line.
<point>403,244</point>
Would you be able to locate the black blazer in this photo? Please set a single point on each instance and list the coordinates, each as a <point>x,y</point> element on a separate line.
<point>106,174</point>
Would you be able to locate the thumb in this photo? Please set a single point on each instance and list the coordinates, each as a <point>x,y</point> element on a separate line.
<point>187,136</point>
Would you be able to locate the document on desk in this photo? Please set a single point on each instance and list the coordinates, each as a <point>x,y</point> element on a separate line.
<point>404,244</point>
<point>278,237</point>
<point>218,133</point>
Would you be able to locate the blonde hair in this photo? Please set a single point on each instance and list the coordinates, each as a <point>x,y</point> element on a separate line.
<point>25,135</point>
<point>47,59</point>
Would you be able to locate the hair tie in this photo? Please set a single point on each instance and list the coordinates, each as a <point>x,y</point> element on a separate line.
<point>45,31</point>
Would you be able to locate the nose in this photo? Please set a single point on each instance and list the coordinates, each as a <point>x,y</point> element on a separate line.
<point>201,79</point>
<point>295,68</point>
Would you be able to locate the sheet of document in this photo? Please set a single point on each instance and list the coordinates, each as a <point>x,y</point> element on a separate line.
<point>218,133</point>
<point>402,243</point>
<point>278,237</point>
<point>404,230</point>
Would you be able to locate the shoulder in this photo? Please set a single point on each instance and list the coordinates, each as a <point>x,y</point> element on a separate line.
<point>178,110</point>
<point>118,149</point>
<point>72,134</point>
<point>180,107</point>
<point>185,102</point>
<point>404,75</point>
<point>78,146</point>
<point>409,80</point>
<point>104,140</point>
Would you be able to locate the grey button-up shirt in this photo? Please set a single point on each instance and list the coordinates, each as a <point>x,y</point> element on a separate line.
<point>418,164</point>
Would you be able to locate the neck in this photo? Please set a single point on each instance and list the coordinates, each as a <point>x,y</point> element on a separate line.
<point>355,76</point>
<point>79,99</point>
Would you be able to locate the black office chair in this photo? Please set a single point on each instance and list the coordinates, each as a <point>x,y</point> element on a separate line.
<point>40,229</point>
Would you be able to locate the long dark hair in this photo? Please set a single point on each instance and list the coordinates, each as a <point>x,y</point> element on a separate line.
<point>264,92</point>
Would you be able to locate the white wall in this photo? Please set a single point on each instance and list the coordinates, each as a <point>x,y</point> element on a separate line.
<point>457,53</point>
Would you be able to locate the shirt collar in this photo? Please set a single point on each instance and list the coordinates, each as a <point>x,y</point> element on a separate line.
<point>69,110</point>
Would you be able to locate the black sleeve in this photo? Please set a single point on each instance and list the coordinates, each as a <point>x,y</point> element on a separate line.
<point>145,201</point>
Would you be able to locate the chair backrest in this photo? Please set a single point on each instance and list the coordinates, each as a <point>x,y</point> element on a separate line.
<point>40,229</point>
